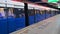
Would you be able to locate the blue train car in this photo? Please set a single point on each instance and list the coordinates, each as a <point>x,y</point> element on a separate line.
<point>13,18</point>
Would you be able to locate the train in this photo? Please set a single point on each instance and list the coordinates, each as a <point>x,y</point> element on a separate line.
<point>12,16</point>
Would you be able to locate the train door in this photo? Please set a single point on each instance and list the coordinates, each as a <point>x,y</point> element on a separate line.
<point>38,16</point>
<point>42,15</point>
<point>3,21</point>
<point>31,16</point>
<point>19,18</point>
<point>16,19</point>
<point>11,20</point>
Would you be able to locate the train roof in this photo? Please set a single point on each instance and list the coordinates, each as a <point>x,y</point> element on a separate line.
<point>15,4</point>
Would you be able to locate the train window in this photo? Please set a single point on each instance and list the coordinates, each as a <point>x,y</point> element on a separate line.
<point>58,12</point>
<point>52,12</point>
<point>48,11</point>
<point>37,11</point>
<point>18,12</point>
<point>43,12</point>
<point>55,12</point>
<point>31,12</point>
<point>21,13</point>
<point>10,13</point>
<point>2,12</point>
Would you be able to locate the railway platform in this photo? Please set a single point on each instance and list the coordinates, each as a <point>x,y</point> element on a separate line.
<point>48,26</point>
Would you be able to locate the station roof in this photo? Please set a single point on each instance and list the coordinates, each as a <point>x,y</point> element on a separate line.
<point>41,2</point>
